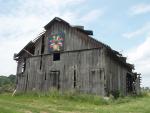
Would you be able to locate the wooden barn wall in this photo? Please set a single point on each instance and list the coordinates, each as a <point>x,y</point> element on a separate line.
<point>38,47</point>
<point>87,66</point>
<point>115,75</point>
<point>74,39</point>
<point>20,64</point>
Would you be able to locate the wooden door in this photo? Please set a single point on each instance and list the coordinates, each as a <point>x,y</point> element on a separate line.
<point>96,81</point>
<point>54,77</point>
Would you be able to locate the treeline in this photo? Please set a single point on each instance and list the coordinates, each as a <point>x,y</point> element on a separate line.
<point>145,89</point>
<point>7,84</point>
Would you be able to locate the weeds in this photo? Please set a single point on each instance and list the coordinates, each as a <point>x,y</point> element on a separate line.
<point>83,98</point>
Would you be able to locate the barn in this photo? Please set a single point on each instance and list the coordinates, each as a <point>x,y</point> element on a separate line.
<point>66,57</point>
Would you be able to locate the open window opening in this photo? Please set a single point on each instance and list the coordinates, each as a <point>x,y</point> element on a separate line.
<point>75,79</point>
<point>56,56</point>
<point>23,67</point>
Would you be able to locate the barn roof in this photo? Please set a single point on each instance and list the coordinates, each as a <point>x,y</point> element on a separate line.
<point>81,28</point>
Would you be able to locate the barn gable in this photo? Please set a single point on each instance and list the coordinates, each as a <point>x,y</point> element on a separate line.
<point>75,38</point>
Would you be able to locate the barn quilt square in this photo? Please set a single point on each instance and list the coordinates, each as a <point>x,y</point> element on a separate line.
<point>56,42</point>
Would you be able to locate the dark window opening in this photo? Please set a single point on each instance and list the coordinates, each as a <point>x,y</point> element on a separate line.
<point>45,76</point>
<point>42,45</point>
<point>100,72</point>
<point>56,56</point>
<point>41,63</point>
<point>75,79</point>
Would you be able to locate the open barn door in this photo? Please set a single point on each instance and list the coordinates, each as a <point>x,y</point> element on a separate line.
<point>54,77</point>
<point>129,83</point>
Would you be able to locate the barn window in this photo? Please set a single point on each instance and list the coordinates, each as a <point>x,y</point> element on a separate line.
<point>56,56</point>
<point>23,66</point>
<point>75,79</point>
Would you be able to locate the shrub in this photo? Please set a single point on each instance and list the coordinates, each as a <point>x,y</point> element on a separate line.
<point>115,94</point>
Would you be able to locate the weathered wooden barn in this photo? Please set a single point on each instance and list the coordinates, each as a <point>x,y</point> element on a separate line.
<point>67,58</point>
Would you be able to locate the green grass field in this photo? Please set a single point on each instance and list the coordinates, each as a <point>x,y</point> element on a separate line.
<point>56,103</point>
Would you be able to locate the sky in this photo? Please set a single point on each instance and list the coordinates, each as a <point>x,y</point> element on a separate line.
<point>122,24</point>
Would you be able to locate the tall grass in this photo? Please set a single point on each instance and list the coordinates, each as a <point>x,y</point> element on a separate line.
<point>72,102</point>
<point>83,98</point>
<point>71,96</point>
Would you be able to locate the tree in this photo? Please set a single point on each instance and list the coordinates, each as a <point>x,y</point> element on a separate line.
<point>7,84</point>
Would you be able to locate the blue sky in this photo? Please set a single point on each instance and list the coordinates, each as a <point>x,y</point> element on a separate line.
<point>123,25</point>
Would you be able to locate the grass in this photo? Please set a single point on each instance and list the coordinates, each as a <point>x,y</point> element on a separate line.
<point>72,103</point>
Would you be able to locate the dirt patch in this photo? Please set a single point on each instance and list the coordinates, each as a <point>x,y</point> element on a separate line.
<point>43,112</point>
<point>28,112</point>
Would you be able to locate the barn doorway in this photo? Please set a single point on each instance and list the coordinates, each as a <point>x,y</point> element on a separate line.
<point>129,83</point>
<point>96,82</point>
<point>55,80</point>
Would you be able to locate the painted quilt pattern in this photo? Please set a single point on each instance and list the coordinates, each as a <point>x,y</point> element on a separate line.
<point>56,42</point>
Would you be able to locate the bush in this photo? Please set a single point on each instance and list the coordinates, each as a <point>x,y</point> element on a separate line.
<point>115,94</point>
<point>7,84</point>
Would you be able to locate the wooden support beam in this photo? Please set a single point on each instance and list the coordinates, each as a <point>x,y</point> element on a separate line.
<point>28,52</point>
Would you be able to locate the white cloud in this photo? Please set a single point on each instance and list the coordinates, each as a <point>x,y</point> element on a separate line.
<point>144,30</point>
<point>26,22</point>
<point>140,56</point>
<point>92,15</point>
<point>141,51</point>
<point>140,9</point>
